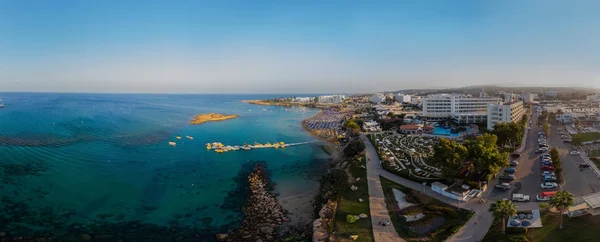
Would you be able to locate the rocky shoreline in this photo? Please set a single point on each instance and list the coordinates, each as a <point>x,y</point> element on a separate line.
<point>211,117</point>
<point>262,213</point>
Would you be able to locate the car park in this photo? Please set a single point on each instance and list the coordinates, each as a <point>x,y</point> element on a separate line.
<point>504,186</point>
<point>510,170</point>
<point>574,152</point>
<point>547,168</point>
<point>549,178</point>
<point>549,185</point>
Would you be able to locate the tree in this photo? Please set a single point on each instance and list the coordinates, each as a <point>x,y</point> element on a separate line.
<point>332,183</point>
<point>510,134</point>
<point>354,148</point>
<point>484,155</point>
<point>503,209</point>
<point>561,201</point>
<point>449,155</point>
<point>577,124</point>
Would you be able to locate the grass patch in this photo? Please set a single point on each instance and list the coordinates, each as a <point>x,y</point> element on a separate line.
<point>454,218</point>
<point>349,204</point>
<point>583,228</point>
<point>584,137</point>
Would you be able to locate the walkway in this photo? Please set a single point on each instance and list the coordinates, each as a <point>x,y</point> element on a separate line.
<point>377,205</point>
<point>469,232</point>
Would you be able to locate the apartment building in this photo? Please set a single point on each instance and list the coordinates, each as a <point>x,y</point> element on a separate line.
<point>337,99</point>
<point>593,98</point>
<point>462,108</point>
<point>403,98</point>
<point>303,99</point>
<point>506,112</point>
<point>528,97</point>
<point>377,98</point>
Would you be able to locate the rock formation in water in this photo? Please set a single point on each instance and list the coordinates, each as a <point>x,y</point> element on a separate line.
<point>211,117</point>
<point>262,213</point>
<point>321,225</point>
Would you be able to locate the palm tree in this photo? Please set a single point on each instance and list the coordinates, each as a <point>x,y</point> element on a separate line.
<point>561,201</point>
<point>503,209</point>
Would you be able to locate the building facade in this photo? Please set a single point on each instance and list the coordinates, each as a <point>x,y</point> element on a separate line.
<point>593,98</point>
<point>528,97</point>
<point>337,99</point>
<point>462,108</point>
<point>504,113</point>
<point>303,99</point>
<point>377,98</point>
<point>403,98</point>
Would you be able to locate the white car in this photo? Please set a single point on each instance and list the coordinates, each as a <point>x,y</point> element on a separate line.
<point>548,185</point>
<point>574,152</point>
<point>548,173</point>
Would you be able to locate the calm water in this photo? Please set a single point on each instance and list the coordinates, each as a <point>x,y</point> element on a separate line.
<point>106,155</point>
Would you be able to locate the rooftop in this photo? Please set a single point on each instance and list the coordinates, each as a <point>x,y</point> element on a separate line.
<point>593,200</point>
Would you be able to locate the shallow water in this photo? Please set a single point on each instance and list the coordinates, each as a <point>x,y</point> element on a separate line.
<point>105,156</point>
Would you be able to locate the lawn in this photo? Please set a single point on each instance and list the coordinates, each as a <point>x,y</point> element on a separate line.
<point>349,204</point>
<point>584,137</point>
<point>583,228</point>
<point>449,218</point>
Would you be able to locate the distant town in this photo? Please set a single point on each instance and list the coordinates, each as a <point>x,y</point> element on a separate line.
<point>492,160</point>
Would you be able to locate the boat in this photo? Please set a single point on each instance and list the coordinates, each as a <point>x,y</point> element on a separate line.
<point>219,150</point>
<point>178,137</point>
<point>171,143</point>
<point>276,145</point>
<point>258,144</point>
<point>189,137</point>
<point>281,143</point>
<point>246,148</point>
<point>208,146</point>
<point>1,104</point>
<point>268,144</point>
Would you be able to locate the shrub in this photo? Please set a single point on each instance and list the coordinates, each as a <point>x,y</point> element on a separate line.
<point>351,218</point>
<point>354,148</point>
<point>516,230</point>
<point>518,238</point>
<point>444,211</point>
<point>412,210</point>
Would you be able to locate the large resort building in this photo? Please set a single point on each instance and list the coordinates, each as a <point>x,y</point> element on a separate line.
<point>464,109</point>
<point>504,113</point>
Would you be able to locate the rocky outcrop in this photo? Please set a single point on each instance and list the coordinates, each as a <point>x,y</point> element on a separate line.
<point>211,117</point>
<point>321,225</point>
<point>262,213</point>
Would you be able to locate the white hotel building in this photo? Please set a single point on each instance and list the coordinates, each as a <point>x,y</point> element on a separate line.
<point>337,99</point>
<point>504,113</point>
<point>463,109</point>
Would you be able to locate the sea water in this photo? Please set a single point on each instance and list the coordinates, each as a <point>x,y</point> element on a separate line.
<point>106,156</point>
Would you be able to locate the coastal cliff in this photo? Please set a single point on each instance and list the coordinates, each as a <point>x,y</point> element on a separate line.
<point>262,213</point>
<point>211,117</point>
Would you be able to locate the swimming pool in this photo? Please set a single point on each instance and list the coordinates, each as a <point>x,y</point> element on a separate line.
<point>444,132</point>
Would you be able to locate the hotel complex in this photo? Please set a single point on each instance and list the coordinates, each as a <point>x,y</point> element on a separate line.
<point>337,99</point>
<point>507,112</point>
<point>462,108</point>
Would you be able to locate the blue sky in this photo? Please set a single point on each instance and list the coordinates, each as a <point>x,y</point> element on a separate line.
<point>295,46</point>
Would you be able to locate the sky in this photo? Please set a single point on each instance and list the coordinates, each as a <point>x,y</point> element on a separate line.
<point>295,46</point>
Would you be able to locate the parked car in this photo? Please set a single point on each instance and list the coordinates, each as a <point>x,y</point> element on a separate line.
<point>518,197</point>
<point>559,129</point>
<point>547,173</point>
<point>514,163</point>
<point>507,177</point>
<point>584,165</point>
<point>548,185</point>
<point>545,156</point>
<point>510,170</point>
<point>546,163</point>
<point>547,168</point>
<point>567,141</point>
<point>504,186</point>
<point>549,178</point>
<point>574,152</point>
<point>515,155</point>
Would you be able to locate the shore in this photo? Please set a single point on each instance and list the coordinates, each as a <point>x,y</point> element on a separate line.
<point>299,207</point>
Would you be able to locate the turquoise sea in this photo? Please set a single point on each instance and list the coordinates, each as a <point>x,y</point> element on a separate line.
<point>88,159</point>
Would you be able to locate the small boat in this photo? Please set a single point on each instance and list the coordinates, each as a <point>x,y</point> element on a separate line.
<point>171,143</point>
<point>281,143</point>
<point>178,137</point>
<point>208,146</point>
<point>246,148</point>
<point>276,145</point>
<point>189,137</point>
<point>268,144</point>
<point>258,144</point>
<point>219,150</point>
